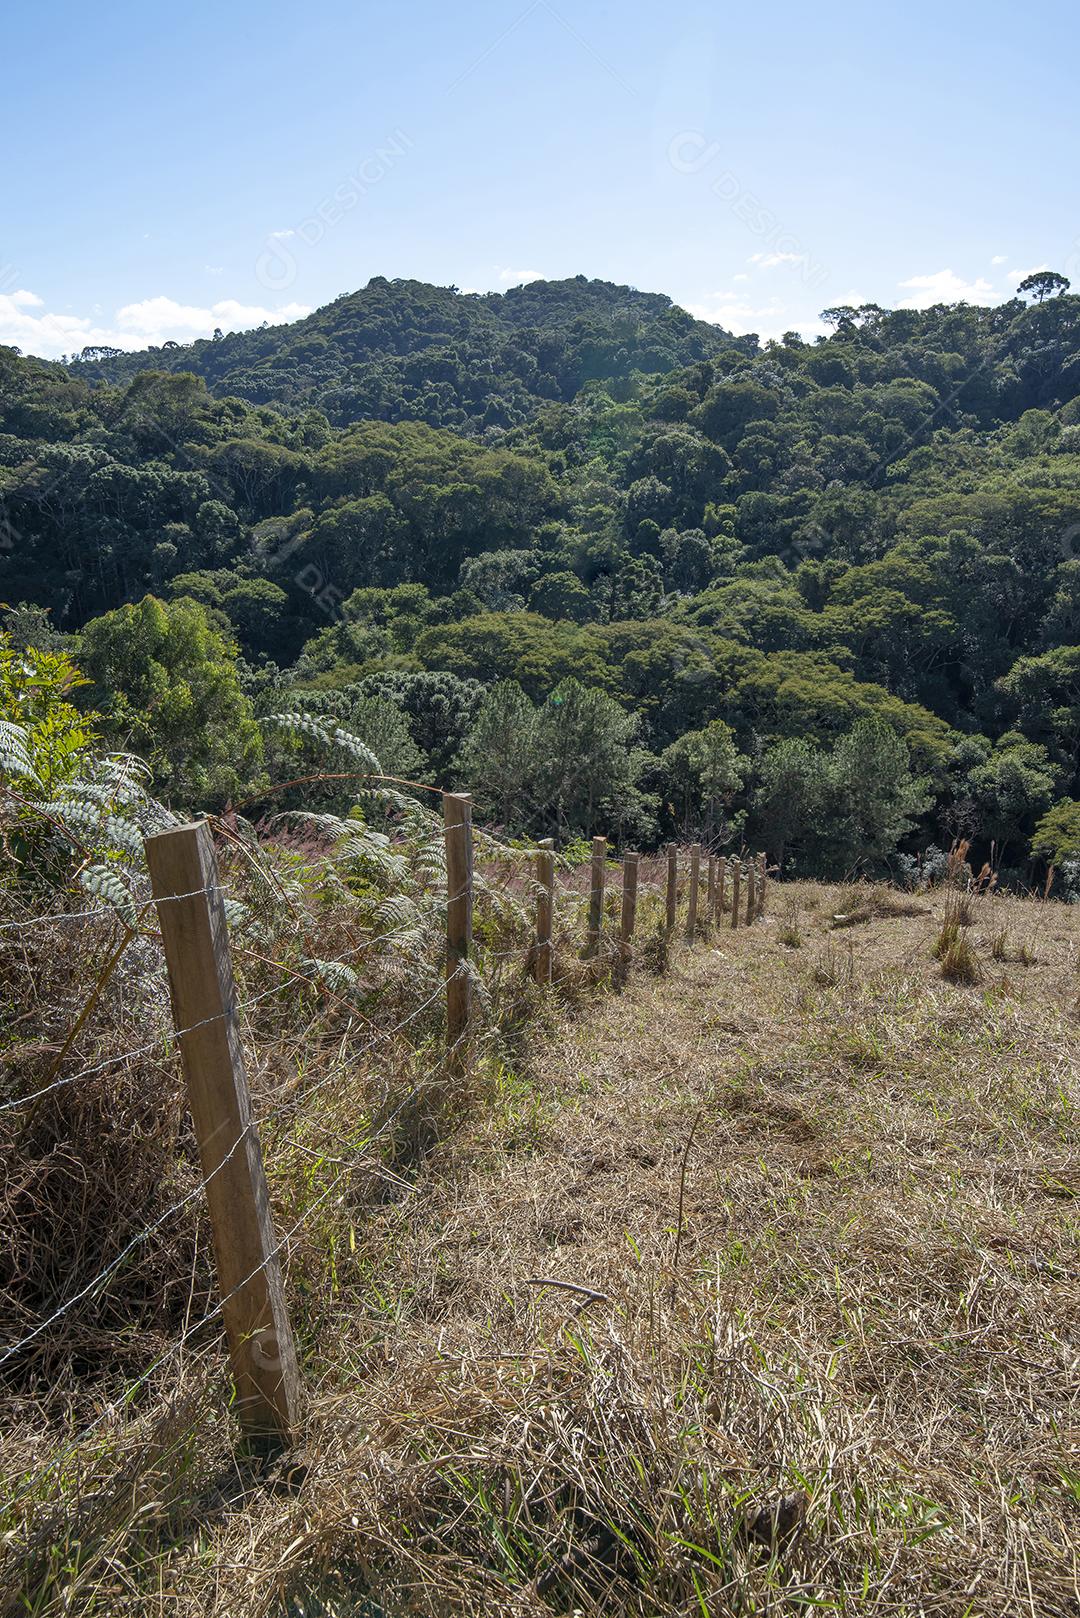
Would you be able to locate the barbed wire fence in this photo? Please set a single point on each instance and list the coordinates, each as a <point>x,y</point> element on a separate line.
<point>248,1248</point>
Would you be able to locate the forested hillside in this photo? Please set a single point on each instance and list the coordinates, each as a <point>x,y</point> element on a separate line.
<point>406,350</point>
<point>605,564</point>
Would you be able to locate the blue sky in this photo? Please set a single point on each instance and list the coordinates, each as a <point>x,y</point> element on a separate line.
<point>168,171</point>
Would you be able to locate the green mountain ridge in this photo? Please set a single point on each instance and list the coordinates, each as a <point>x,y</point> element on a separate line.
<point>743,593</point>
<point>406,349</point>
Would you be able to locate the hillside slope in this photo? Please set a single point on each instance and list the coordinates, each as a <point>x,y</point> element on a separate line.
<point>397,350</point>
<point>784,1233</point>
<point>758,549</point>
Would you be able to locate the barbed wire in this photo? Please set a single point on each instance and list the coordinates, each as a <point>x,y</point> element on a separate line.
<point>138,1050</point>
<point>293,973</point>
<point>461,968</point>
<point>480,956</point>
<point>144,1235</point>
<point>216,1309</point>
<point>107,911</point>
<point>110,1269</point>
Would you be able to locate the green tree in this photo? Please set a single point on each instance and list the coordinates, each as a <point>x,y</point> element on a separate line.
<point>257,608</point>
<point>1045,692</point>
<point>164,680</point>
<point>43,737</point>
<point>1011,789</point>
<point>500,579</point>
<point>561,595</point>
<point>790,797</point>
<point>1043,284</point>
<point>873,798</point>
<point>702,772</point>
<point>1057,836</point>
<point>440,710</point>
<point>587,768</point>
<point>294,753</point>
<point>499,759</point>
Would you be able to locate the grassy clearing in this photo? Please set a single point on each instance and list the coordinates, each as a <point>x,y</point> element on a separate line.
<point>855,1392</point>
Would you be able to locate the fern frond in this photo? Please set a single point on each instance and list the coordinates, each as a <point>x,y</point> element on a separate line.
<point>104,882</point>
<point>16,759</point>
<point>338,977</point>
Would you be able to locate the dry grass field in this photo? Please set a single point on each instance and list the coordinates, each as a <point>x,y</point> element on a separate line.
<point>750,1288</point>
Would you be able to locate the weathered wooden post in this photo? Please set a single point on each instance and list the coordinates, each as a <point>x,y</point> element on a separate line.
<point>736,875</point>
<point>194,931</point>
<point>710,893</point>
<point>751,891</point>
<point>763,877</point>
<point>695,883</point>
<point>596,897</point>
<point>721,882</point>
<point>629,902</point>
<point>672,885</point>
<point>545,908</point>
<point>457,817</point>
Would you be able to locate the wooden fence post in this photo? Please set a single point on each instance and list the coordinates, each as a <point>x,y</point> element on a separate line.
<point>736,874</point>
<point>598,872</point>
<point>194,931</point>
<point>751,891</point>
<point>710,892</point>
<point>629,901</point>
<point>695,883</point>
<point>763,877</point>
<point>545,908</point>
<point>721,883</point>
<point>672,885</point>
<point>457,817</point>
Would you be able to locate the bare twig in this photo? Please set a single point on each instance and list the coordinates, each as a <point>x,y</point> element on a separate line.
<point>682,1194</point>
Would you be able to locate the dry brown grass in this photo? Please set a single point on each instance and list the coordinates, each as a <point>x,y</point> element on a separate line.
<point>855,1393</point>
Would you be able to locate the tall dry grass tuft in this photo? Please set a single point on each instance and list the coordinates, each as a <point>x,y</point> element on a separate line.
<point>86,1167</point>
<point>790,933</point>
<point>953,948</point>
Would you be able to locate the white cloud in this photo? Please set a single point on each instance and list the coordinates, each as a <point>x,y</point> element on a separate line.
<point>998,258</point>
<point>945,286</point>
<point>164,316</point>
<point>515,278</point>
<point>1016,276</point>
<point>150,322</point>
<point>736,314</point>
<point>769,261</point>
<point>742,276</point>
<point>281,235</point>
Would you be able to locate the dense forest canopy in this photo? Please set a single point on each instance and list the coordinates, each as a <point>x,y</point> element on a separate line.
<point>401,350</point>
<point>611,566</point>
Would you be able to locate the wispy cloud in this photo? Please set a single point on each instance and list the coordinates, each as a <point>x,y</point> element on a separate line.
<point>1016,276</point>
<point>945,286</point>
<point>769,261</point>
<point>514,278</point>
<point>736,313</point>
<point>26,323</point>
